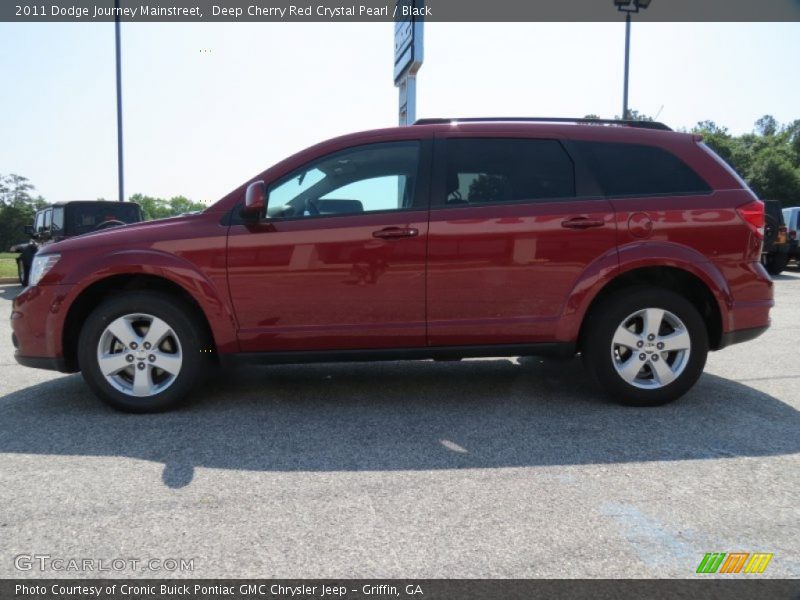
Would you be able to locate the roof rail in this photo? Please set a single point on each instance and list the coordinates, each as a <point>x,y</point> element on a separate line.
<point>629,123</point>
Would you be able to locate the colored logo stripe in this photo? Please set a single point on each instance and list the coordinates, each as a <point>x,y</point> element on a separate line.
<point>711,562</point>
<point>734,563</point>
<point>758,562</point>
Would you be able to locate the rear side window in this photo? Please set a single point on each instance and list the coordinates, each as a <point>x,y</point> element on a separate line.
<point>487,170</point>
<point>639,170</point>
<point>85,217</point>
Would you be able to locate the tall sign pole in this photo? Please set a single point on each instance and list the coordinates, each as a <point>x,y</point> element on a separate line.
<point>120,178</point>
<point>408,55</point>
<point>627,65</point>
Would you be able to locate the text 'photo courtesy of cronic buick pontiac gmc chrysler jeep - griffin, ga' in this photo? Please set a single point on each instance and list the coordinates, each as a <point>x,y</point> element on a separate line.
<point>627,243</point>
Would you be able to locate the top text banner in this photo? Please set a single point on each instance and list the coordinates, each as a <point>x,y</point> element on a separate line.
<point>386,10</point>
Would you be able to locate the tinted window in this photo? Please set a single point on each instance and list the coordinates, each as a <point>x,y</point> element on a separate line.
<point>376,177</point>
<point>89,216</point>
<point>58,219</point>
<point>639,170</point>
<point>480,171</point>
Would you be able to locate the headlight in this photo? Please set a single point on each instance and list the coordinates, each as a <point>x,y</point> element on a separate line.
<point>42,263</point>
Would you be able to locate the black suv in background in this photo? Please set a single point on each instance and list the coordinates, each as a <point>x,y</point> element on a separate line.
<point>68,219</point>
<point>778,248</point>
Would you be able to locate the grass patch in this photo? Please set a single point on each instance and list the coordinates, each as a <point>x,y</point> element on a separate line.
<point>8,264</point>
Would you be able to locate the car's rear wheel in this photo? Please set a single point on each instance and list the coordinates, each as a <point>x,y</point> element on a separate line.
<point>775,263</point>
<point>141,352</point>
<point>645,346</point>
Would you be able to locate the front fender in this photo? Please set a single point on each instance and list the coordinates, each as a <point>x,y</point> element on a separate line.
<point>209,290</point>
<point>640,255</point>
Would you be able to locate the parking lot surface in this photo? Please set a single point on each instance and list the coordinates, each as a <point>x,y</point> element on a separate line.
<point>483,468</point>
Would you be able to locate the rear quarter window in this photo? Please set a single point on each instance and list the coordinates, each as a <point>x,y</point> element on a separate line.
<point>639,170</point>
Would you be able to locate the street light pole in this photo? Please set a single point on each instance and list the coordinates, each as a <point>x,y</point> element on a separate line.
<point>627,65</point>
<point>120,177</point>
<point>629,7</point>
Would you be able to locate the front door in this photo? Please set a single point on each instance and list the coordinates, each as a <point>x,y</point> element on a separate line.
<point>339,262</point>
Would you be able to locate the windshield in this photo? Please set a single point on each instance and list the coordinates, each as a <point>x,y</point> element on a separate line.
<point>83,218</point>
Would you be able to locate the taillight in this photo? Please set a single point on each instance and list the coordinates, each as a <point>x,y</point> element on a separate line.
<point>752,213</point>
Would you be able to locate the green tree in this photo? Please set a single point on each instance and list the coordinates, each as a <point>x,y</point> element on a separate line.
<point>773,176</point>
<point>767,125</point>
<point>635,115</point>
<point>15,190</point>
<point>768,158</point>
<point>159,208</point>
<point>17,207</point>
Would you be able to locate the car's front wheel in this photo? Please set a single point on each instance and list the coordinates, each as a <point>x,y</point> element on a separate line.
<point>22,275</point>
<point>645,346</point>
<point>141,352</point>
<point>24,261</point>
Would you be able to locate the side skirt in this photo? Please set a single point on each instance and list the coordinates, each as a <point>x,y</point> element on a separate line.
<point>555,349</point>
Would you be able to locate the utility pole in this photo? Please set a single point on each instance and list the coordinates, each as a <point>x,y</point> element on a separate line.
<point>120,170</point>
<point>629,7</point>
<point>627,65</point>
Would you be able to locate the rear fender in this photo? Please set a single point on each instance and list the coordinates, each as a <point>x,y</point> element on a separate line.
<point>640,255</point>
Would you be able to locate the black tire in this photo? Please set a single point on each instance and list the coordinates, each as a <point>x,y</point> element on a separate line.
<point>22,274</point>
<point>24,262</point>
<point>191,339</point>
<point>602,325</point>
<point>775,263</point>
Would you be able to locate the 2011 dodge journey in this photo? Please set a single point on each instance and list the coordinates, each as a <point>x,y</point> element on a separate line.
<point>632,245</point>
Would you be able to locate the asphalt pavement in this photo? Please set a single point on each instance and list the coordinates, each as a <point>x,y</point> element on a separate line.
<point>482,468</point>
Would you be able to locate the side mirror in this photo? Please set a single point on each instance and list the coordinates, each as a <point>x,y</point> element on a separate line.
<point>28,229</point>
<point>255,201</point>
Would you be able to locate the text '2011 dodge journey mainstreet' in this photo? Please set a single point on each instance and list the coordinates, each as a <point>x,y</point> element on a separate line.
<point>628,243</point>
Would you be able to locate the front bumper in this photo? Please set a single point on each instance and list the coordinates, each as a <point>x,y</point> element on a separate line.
<point>42,362</point>
<point>38,316</point>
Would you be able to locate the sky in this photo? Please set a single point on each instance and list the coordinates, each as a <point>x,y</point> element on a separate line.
<point>207,106</point>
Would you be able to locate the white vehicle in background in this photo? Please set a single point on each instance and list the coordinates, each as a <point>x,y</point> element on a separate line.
<point>791,217</point>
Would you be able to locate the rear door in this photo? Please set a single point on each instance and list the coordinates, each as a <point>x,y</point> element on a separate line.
<point>509,238</point>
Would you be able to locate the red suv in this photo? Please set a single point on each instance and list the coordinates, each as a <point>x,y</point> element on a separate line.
<point>628,243</point>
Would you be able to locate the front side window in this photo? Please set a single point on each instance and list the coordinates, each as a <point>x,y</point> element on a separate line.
<point>639,170</point>
<point>487,171</point>
<point>376,177</point>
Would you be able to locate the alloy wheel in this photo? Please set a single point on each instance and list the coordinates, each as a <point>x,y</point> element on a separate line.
<point>650,348</point>
<point>139,355</point>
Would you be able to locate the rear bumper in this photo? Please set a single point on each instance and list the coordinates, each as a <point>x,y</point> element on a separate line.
<point>741,335</point>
